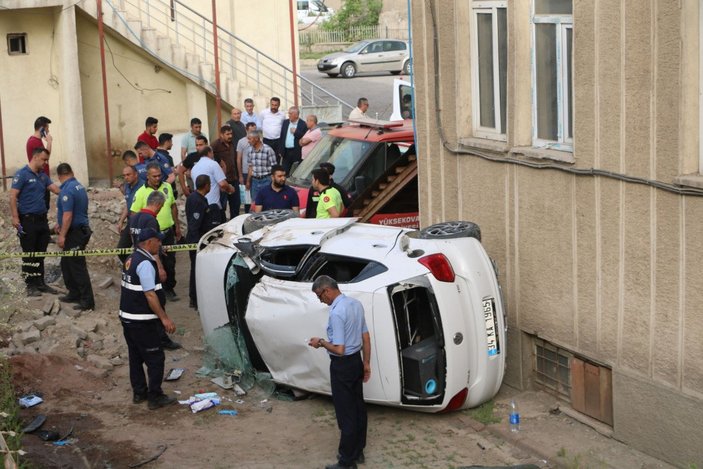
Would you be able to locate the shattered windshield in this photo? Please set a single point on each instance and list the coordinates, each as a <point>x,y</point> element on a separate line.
<point>342,152</point>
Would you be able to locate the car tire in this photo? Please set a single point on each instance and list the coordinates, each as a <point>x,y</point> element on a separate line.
<point>348,70</point>
<point>451,230</point>
<point>256,221</point>
<point>395,72</point>
<point>408,68</point>
<point>333,75</point>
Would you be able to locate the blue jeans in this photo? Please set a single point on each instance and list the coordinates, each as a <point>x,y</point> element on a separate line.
<point>257,184</point>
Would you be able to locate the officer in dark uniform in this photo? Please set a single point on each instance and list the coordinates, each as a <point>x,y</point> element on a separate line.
<point>146,219</point>
<point>141,312</point>
<point>74,233</point>
<point>29,210</point>
<point>197,214</point>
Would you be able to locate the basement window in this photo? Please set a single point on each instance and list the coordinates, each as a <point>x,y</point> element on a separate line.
<point>551,368</point>
<point>17,44</point>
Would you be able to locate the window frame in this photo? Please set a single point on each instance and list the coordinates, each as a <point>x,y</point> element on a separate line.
<point>500,131</point>
<point>562,23</point>
<point>24,37</point>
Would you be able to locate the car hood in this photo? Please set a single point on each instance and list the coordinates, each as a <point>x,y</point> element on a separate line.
<point>331,57</point>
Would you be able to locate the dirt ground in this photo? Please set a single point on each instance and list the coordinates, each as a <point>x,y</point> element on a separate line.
<point>79,366</point>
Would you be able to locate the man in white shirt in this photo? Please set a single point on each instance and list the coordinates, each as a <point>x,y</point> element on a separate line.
<point>249,115</point>
<point>270,123</point>
<point>359,112</point>
<point>218,182</point>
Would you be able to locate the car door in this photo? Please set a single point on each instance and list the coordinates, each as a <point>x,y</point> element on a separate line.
<point>394,55</point>
<point>370,57</point>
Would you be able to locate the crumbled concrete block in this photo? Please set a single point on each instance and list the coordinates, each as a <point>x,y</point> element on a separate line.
<point>81,351</point>
<point>96,346</point>
<point>79,332</point>
<point>105,283</point>
<point>72,313</point>
<point>79,342</point>
<point>116,361</point>
<point>48,305</point>
<point>25,338</point>
<point>90,325</point>
<point>97,372</point>
<point>99,362</point>
<point>56,307</point>
<point>44,322</point>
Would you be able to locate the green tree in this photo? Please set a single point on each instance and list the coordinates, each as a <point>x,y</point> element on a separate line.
<point>354,13</point>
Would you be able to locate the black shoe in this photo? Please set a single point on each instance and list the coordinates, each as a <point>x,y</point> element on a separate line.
<point>83,307</point>
<point>193,304</point>
<point>69,299</point>
<point>161,401</point>
<point>339,465</point>
<point>33,291</point>
<point>171,295</point>
<point>171,345</point>
<point>360,460</point>
<point>44,288</point>
<point>138,398</point>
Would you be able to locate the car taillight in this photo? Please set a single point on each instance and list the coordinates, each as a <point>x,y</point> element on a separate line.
<point>439,266</point>
<point>457,401</point>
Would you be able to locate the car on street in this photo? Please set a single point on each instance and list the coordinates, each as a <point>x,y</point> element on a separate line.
<point>431,297</point>
<point>371,55</point>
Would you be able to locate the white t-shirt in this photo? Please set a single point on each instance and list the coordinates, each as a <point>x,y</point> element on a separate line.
<point>208,166</point>
<point>270,123</point>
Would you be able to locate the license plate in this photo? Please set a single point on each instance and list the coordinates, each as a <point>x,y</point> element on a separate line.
<point>489,316</point>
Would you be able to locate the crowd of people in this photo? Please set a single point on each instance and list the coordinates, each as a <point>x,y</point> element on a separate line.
<point>246,165</point>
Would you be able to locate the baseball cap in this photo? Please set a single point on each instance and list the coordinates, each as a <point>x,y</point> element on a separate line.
<point>148,233</point>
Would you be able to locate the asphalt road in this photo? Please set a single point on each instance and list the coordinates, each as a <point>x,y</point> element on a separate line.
<point>378,88</point>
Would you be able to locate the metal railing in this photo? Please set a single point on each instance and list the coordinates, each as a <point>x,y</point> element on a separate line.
<point>192,33</point>
<point>356,33</point>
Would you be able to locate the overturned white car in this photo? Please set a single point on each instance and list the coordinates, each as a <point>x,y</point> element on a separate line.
<point>432,301</point>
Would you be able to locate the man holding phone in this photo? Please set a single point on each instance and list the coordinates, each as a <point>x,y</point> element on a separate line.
<point>41,138</point>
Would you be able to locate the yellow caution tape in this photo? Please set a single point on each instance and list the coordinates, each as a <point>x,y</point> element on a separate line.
<point>94,252</point>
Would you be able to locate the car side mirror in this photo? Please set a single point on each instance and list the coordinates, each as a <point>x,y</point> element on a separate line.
<point>359,184</point>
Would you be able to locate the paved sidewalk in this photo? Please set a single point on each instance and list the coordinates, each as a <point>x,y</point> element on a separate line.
<point>554,439</point>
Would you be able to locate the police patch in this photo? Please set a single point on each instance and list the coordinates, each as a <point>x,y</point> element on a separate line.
<point>65,198</point>
<point>196,216</point>
<point>326,199</point>
<point>128,263</point>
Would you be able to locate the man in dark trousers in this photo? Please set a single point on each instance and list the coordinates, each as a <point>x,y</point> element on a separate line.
<point>142,315</point>
<point>292,130</point>
<point>41,138</point>
<point>349,346</point>
<point>146,219</point>
<point>28,209</point>
<point>197,214</point>
<point>74,233</point>
<point>132,183</point>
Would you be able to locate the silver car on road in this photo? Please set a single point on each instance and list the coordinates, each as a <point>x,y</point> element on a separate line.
<point>371,55</point>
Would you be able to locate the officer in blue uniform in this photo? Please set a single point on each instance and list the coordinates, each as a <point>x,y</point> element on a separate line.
<point>349,346</point>
<point>142,312</point>
<point>198,216</point>
<point>131,159</point>
<point>129,188</point>
<point>28,209</point>
<point>74,233</point>
<point>151,156</point>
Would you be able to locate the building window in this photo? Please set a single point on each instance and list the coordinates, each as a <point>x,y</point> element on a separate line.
<point>489,51</point>
<point>552,96</point>
<point>551,368</point>
<point>17,44</point>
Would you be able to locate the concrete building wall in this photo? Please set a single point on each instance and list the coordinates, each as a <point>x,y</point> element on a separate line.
<point>602,267</point>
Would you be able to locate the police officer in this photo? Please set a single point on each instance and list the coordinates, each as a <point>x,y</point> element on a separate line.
<point>146,219</point>
<point>141,312</point>
<point>349,346</point>
<point>151,156</point>
<point>130,187</point>
<point>28,210</point>
<point>197,214</point>
<point>74,233</point>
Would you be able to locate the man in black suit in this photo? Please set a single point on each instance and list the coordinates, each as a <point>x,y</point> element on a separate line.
<point>292,130</point>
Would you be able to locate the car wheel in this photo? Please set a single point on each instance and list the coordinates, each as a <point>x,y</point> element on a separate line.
<point>348,70</point>
<point>451,229</point>
<point>256,221</point>
<point>395,72</point>
<point>332,75</point>
<point>408,68</point>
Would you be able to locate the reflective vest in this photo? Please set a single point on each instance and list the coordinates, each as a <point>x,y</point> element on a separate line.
<point>133,303</point>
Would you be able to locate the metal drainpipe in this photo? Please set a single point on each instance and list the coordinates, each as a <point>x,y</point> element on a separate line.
<point>101,36</point>
<point>2,152</point>
<point>292,50</point>
<point>218,98</point>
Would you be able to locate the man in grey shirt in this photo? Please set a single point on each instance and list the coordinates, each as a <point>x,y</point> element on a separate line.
<point>243,159</point>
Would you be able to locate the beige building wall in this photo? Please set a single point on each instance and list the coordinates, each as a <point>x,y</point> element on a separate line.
<point>602,267</point>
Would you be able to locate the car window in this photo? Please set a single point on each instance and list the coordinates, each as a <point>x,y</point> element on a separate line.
<point>397,45</point>
<point>341,268</point>
<point>284,262</point>
<point>356,47</point>
<point>377,47</point>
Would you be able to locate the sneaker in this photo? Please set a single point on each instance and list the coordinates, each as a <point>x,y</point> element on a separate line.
<point>69,299</point>
<point>161,401</point>
<point>44,288</point>
<point>171,345</point>
<point>171,295</point>
<point>33,291</point>
<point>138,398</point>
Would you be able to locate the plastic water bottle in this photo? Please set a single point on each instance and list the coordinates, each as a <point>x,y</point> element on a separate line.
<point>514,417</point>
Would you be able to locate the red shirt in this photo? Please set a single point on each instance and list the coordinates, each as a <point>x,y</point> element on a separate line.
<point>32,143</point>
<point>149,139</point>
